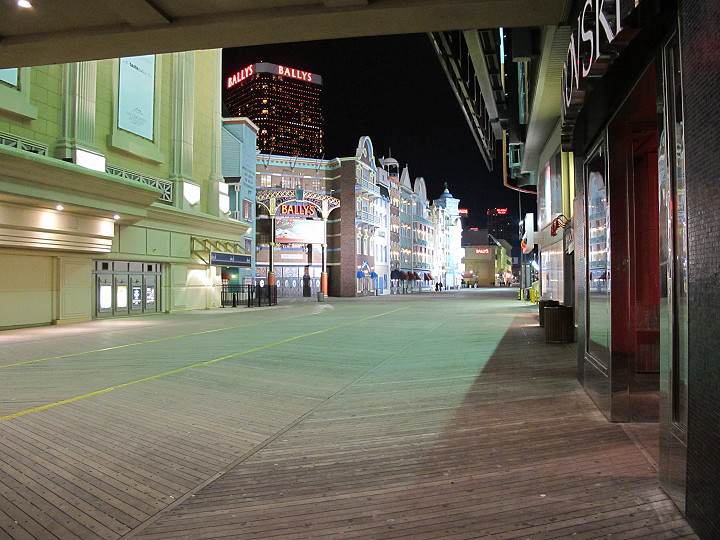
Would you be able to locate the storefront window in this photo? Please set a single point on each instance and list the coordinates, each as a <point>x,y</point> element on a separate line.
<point>598,257</point>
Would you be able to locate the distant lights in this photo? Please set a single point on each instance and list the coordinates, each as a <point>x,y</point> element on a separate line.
<point>24,4</point>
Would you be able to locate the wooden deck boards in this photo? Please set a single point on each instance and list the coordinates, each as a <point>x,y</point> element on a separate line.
<point>449,418</point>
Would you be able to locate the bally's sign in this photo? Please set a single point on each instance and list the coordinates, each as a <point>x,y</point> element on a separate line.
<point>300,210</point>
<point>602,29</point>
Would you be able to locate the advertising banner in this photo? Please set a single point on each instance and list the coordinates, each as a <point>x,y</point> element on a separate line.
<point>136,95</point>
<point>299,231</point>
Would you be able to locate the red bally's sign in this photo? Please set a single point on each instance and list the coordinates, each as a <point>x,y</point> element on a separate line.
<point>264,67</point>
<point>482,251</point>
<point>297,210</point>
<point>240,76</point>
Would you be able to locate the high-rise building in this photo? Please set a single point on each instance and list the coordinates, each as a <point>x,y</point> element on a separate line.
<point>285,105</point>
<point>498,224</point>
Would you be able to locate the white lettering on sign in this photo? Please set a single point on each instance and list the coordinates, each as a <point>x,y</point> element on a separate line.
<point>593,46</point>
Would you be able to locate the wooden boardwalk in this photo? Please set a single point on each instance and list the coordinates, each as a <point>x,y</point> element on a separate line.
<point>428,416</point>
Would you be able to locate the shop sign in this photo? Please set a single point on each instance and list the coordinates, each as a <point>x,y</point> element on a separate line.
<point>305,210</point>
<point>602,28</point>
<point>482,251</point>
<point>218,258</point>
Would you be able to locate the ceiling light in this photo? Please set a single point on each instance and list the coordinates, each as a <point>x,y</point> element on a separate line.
<point>116,217</point>
<point>24,4</point>
<point>59,207</point>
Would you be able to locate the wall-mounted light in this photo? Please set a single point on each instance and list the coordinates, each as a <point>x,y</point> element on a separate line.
<point>191,193</point>
<point>59,207</point>
<point>24,4</point>
<point>116,217</point>
<point>90,160</point>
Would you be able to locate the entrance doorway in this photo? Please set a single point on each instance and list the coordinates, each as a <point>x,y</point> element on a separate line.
<point>635,252</point>
<point>126,288</point>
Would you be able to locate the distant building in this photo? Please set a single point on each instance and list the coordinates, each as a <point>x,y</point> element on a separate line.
<point>285,105</point>
<point>498,224</point>
<point>448,239</point>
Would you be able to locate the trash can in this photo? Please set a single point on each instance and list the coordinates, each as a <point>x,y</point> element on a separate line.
<point>542,304</point>
<point>321,296</point>
<point>559,324</point>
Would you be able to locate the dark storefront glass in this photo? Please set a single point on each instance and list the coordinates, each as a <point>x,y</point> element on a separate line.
<point>598,257</point>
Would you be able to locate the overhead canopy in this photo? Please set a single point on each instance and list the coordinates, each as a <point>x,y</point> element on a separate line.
<point>360,274</point>
<point>395,274</point>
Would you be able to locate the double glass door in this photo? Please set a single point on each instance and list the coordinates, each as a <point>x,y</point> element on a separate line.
<point>126,288</point>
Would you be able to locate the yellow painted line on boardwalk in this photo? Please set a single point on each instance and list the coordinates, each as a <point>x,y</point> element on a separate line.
<point>199,364</point>
<point>116,347</point>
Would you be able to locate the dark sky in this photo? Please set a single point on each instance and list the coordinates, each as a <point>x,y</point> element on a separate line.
<point>394,90</point>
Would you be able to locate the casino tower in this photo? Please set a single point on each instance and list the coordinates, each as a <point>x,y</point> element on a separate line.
<point>284,103</point>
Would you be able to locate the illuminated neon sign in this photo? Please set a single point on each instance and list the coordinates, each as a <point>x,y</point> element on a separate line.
<point>305,210</point>
<point>295,73</point>
<point>265,67</point>
<point>482,251</point>
<point>240,76</point>
<point>463,211</point>
<point>501,211</point>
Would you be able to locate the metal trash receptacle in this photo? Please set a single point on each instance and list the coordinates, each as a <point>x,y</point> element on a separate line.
<point>321,296</point>
<point>559,324</point>
<point>542,304</point>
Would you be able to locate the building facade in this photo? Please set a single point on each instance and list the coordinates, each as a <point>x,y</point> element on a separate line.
<point>626,197</point>
<point>297,223</point>
<point>284,103</point>
<point>448,266</point>
<point>110,173</point>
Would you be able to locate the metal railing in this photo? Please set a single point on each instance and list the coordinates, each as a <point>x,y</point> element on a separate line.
<point>235,295</point>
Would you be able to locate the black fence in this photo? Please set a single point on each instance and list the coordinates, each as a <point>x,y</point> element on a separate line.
<point>248,295</point>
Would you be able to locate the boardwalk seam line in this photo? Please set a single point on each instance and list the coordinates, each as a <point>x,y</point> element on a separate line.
<point>184,368</point>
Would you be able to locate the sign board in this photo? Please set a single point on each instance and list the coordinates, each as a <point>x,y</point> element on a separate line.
<point>296,209</point>
<point>218,258</point>
<point>290,230</point>
<point>265,67</point>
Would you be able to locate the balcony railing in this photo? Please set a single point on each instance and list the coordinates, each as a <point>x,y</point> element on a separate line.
<point>13,141</point>
<point>165,186</point>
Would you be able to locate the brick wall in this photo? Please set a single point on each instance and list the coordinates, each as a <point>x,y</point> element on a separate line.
<point>700,35</point>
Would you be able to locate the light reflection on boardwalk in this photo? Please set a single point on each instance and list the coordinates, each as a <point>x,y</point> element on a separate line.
<point>421,416</point>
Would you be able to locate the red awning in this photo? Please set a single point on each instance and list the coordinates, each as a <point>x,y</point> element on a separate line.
<point>403,275</point>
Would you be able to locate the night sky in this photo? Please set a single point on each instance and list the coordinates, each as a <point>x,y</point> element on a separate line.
<point>394,90</point>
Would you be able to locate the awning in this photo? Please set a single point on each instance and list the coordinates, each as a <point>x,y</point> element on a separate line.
<point>373,275</point>
<point>428,277</point>
<point>360,274</point>
<point>395,274</point>
<point>403,275</point>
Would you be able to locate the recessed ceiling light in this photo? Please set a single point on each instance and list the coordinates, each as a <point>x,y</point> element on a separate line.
<point>24,4</point>
<point>59,207</point>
